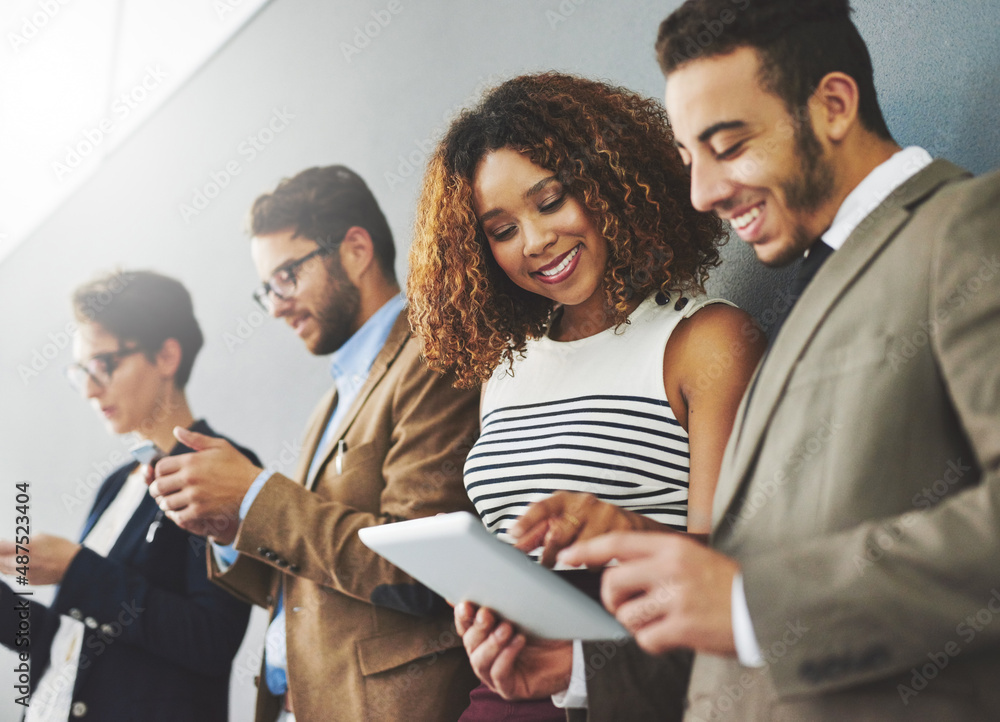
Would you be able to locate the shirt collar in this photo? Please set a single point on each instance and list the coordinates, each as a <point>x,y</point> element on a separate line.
<point>350,363</point>
<point>875,188</point>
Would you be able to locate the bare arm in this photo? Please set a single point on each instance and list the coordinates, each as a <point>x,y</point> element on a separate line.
<point>708,363</point>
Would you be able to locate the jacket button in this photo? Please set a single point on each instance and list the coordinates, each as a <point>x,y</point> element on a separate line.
<point>263,550</point>
<point>76,614</point>
<point>79,709</point>
<point>281,563</point>
<point>269,599</point>
<point>108,629</point>
<point>90,622</point>
<point>294,568</point>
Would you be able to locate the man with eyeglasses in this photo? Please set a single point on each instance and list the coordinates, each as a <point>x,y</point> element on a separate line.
<point>351,637</point>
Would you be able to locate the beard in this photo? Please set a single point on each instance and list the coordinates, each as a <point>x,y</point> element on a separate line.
<point>337,311</point>
<point>805,191</point>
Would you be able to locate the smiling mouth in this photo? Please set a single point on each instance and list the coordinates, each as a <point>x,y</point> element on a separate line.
<point>559,268</point>
<point>743,220</point>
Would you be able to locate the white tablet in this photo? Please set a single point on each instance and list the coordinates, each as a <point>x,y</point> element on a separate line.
<point>458,558</point>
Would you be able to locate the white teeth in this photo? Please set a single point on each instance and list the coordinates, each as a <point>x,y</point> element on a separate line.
<point>562,266</point>
<point>741,222</point>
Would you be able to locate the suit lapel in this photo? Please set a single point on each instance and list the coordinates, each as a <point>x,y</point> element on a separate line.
<point>108,495</point>
<point>831,282</point>
<point>398,337</point>
<point>133,535</point>
<point>310,447</point>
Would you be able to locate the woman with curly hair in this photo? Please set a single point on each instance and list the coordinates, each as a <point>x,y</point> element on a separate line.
<point>558,262</point>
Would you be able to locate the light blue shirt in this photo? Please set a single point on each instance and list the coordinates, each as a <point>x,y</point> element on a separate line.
<point>349,368</point>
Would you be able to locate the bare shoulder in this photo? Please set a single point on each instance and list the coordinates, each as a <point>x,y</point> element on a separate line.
<point>715,329</point>
<point>717,340</point>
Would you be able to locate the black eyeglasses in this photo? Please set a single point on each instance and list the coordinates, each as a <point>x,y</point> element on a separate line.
<point>99,368</point>
<point>283,282</point>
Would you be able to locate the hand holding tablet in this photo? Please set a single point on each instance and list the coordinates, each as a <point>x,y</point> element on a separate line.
<point>454,555</point>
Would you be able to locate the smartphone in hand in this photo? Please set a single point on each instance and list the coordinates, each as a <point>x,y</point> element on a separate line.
<point>146,452</point>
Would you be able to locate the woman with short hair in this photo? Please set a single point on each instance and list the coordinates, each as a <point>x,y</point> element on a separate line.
<point>136,631</point>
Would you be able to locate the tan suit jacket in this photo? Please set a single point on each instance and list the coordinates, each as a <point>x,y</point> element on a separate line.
<point>351,654</point>
<point>860,490</point>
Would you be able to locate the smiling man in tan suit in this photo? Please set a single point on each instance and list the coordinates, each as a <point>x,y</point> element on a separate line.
<point>351,637</point>
<point>854,572</point>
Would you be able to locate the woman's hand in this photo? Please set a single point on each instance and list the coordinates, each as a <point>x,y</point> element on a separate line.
<point>508,662</point>
<point>567,517</point>
<point>48,558</point>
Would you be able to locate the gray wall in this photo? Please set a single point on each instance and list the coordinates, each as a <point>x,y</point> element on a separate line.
<point>377,111</point>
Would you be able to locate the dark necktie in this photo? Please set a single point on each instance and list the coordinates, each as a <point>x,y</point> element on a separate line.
<point>807,269</point>
<point>818,254</point>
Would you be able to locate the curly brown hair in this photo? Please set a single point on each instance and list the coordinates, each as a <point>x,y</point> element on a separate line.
<point>613,150</point>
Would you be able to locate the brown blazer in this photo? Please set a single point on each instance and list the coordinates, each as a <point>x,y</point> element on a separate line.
<point>352,655</point>
<point>860,490</point>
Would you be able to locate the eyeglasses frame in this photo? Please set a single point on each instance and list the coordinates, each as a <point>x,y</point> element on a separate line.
<point>262,294</point>
<point>113,362</point>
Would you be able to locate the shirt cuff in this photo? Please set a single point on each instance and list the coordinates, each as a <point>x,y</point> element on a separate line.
<point>253,491</point>
<point>747,648</point>
<point>225,556</point>
<point>576,696</point>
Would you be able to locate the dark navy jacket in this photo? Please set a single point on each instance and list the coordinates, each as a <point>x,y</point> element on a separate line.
<point>160,637</point>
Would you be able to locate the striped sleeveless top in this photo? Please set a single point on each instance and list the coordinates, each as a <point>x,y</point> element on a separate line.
<point>589,415</point>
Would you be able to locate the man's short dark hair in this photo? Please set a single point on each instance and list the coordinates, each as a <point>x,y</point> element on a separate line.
<point>321,204</point>
<point>145,308</point>
<point>798,42</point>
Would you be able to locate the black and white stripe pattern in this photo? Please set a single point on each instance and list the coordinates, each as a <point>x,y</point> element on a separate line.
<point>626,450</point>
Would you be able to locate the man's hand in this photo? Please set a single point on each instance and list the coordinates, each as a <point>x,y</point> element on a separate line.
<point>668,590</point>
<point>567,517</point>
<point>50,557</point>
<point>509,663</point>
<point>202,491</point>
